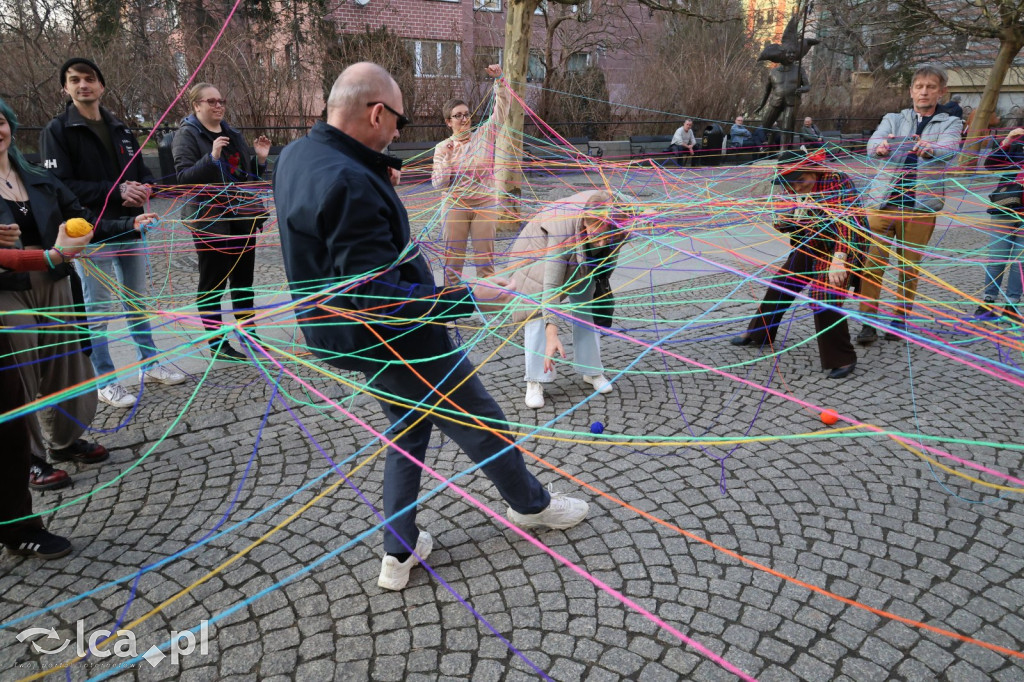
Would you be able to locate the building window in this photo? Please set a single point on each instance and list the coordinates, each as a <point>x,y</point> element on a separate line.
<point>578,61</point>
<point>292,55</point>
<point>487,5</point>
<point>436,58</point>
<point>484,57</point>
<point>180,68</point>
<point>585,7</point>
<point>171,12</point>
<point>536,70</point>
<point>542,8</point>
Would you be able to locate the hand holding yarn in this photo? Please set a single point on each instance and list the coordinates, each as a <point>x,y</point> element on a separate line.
<point>68,243</point>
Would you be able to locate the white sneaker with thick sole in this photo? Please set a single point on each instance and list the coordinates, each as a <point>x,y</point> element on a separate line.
<point>534,394</point>
<point>563,512</point>
<point>161,375</point>
<point>599,382</point>
<point>394,574</point>
<point>116,395</point>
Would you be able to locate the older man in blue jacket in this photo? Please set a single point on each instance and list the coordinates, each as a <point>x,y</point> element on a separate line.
<point>367,302</point>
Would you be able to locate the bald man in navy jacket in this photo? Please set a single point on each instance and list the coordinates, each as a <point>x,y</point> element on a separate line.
<point>367,301</point>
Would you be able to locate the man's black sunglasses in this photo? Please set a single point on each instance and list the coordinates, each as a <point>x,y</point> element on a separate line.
<point>402,120</point>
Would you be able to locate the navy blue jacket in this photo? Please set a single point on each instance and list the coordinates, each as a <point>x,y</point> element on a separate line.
<point>1011,161</point>
<point>74,153</point>
<point>345,237</point>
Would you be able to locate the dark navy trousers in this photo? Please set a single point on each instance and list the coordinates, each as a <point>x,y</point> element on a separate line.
<point>447,368</point>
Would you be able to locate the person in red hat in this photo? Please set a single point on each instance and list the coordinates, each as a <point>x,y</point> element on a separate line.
<point>826,229</point>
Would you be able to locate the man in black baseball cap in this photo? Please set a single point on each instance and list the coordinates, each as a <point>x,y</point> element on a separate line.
<point>83,65</point>
<point>95,154</point>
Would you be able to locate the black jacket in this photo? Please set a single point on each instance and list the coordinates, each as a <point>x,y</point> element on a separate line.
<point>347,247</point>
<point>52,204</point>
<point>1010,160</point>
<point>952,108</point>
<point>212,209</point>
<point>73,152</point>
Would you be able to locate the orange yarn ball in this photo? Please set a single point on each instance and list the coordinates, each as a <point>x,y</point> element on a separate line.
<point>78,227</point>
<point>829,417</point>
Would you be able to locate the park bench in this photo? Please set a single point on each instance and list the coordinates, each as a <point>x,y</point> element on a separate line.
<point>649,146</point>
<point>541,156</point>
<point>423,152</point>
<point>408,150</point>
<point>856,143</point>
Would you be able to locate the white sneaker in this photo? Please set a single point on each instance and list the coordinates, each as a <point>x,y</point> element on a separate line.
<point>161,375</point>
<point>116,395</point>
<point>599,382</point>
<point>534,394</point>
<point>563,512</point>
<point>394,574</point>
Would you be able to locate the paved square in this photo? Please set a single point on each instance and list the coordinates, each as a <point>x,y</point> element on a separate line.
<point>219,503</point>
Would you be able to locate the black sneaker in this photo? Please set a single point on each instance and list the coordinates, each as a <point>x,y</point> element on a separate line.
<point>40,543</point>
<point>81,451</point>
<point>42,476</point>
<point>987,311</point>
<point>224,351</point>
<point>896,326</point>
<point>867,336</point>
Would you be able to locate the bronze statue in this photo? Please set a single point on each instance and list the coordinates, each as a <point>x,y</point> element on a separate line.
<point>788,80</point>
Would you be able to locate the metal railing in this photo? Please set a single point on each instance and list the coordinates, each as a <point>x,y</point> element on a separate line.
<point>425,132</point>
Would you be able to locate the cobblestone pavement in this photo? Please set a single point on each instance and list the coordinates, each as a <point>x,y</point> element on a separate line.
<point>857,515</point>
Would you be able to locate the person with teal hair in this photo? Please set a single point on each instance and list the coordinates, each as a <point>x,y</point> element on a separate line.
<point>45,348</point>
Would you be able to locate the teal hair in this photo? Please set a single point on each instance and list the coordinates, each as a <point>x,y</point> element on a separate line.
<point>18,161</point>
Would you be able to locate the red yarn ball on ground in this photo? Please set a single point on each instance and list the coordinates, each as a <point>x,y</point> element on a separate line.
<point>829,417</point>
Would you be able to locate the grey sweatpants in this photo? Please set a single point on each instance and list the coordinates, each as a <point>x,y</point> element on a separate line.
<point>45,346</point>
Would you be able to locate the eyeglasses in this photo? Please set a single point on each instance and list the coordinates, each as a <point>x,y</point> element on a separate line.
<point>402,119</point>
<point>462,117</point>
<point>215,102</point>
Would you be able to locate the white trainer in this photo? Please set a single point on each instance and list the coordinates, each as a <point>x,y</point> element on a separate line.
<point>161,375</point>
<point>116,395</point>
<point>563,512</point>
<point>394,574</point>
<point>599,382</point>
<point>534,394</point>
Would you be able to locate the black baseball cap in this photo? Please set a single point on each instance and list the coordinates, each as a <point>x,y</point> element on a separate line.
<point>62,76</point>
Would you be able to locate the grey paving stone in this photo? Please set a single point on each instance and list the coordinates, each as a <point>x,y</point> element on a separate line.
<point>860,516</point>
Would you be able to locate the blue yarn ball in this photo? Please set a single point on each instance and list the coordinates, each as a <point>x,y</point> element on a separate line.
<point>597,427</point>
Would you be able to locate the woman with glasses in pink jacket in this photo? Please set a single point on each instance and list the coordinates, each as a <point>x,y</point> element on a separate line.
<point>464,168</point>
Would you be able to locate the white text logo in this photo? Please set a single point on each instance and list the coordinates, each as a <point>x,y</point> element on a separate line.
<point>104,643</point>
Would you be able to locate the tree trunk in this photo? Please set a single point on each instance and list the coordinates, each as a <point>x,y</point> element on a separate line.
<point>1009,45</point>
<point>518,20</point>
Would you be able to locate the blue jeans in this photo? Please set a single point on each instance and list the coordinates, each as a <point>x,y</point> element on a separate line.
<point>1004,253</point>
<point>118,265</point>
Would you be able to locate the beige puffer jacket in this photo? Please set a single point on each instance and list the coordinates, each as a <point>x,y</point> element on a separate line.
<point>466,167</point>
<point>544,259</point>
